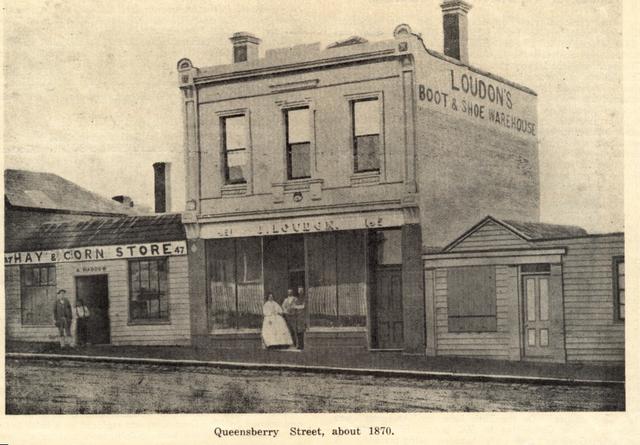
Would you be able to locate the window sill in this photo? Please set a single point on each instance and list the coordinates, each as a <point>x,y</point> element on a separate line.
<point>234,331</point>
<point>365,178</point>
<point>234,189</point>
<point>297,185</point>
<point>337,329</point>
<point>148,322</point>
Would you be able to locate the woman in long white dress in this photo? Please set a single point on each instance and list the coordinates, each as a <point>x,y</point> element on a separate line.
<point>274,328</point>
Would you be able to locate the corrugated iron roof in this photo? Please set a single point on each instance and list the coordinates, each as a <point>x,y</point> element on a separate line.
<point>539,231</point>
<point>104,232</point>
<point>41,190</point>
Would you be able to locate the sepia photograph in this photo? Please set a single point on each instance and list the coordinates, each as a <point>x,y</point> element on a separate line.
<point>374,206</point>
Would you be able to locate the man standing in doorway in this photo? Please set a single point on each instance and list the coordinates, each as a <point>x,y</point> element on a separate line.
<point>63,316</point>
<point>82,318</point>
<point>301,321</point>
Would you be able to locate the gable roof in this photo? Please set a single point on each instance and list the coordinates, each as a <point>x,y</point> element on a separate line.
<point>527,231</point>
<point>104,232</point>
<point>48,191</point>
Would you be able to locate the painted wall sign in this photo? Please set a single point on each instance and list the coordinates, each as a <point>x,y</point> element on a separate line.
<point>480,98</point>
<point>293,226</point>
<point>169,248</point>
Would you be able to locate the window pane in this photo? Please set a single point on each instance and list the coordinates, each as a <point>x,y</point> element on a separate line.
<point>236,174</point>
<point>222,286</point>
<point>351,278</point>
<point>367,153</point>
<point>27,276</point>
<point>622,311</point>
<point>322,292</point>
<point>236,158</point>
<point>144,275</point>
<point>544,299</point>
<point>300,161</point>
<point>366,117</point>
<point>37,296</point>
<point>235,132</point>
<point>52,276</point>
<point>153,308</point>
<point>249,278</point>
<point>36,276</point>
<point>531,299</point>
<point>298,125</point>
<point>621,276</point>
<point>135,279</point>
<point>544,337</point>
<point>531,337</point>
<point>162,275</point>
<point>621,297</point>
<point>621,268</point>
<point>153,276</point>
<point>164,306</point>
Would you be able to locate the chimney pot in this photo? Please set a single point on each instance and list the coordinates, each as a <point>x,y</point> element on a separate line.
<point>455,26</point>
<point>245,47</point>
<point>124,200</point>
<point>162,187</point>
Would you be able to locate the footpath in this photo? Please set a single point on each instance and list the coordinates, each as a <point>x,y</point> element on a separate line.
<point>386,364</point>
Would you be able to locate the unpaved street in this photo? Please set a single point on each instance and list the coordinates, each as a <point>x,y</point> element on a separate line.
<point>42,386</point>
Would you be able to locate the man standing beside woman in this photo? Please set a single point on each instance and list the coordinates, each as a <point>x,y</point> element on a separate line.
<point>293,308</point>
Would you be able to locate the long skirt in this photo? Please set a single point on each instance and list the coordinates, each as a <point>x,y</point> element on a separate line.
<point>275,331</point>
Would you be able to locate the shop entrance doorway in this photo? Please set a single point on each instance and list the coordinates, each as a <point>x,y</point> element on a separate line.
<point>94,291</point>
<point>388,306</point>
<point>296,280</point>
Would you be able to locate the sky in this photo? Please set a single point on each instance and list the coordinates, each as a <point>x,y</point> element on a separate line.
<point>91,87</point>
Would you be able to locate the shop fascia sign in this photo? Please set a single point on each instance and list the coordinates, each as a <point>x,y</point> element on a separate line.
<point>295,226</point>
<point>97,253</point>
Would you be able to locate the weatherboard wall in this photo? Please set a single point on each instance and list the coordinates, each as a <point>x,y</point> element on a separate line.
<point>593,330</point>
<point>175,331</point>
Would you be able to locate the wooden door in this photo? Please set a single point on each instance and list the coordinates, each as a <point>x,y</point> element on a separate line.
<point>537,315</point>
<point>388,307</point>
<point>94,291</point>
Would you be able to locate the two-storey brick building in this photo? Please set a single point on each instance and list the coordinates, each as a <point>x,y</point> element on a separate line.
<point>334,170</point>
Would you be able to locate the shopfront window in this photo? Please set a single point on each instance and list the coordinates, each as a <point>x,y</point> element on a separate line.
<point>234,275</point>
<point>37,294</point>
<point>336,264</point>
<point>149,298</point>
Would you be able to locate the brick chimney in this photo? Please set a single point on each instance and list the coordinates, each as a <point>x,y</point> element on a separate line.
<point>454,23</point>
<point>245,47</point>
<point>162,187</point>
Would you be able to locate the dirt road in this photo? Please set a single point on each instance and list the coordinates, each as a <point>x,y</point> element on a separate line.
<point>39,386</point>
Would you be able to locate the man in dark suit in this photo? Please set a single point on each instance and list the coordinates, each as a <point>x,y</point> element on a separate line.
<point>63,317</point>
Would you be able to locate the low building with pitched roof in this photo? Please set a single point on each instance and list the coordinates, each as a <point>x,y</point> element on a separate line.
<point>527,291</point>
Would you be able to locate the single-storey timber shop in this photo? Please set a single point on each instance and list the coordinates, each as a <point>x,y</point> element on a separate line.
<point>511,290</point>
<point>131,272</point>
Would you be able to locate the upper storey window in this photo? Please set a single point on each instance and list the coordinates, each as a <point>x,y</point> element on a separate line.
<point>298,126</point>
<point>366,134</point>
<point>234,130</point>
